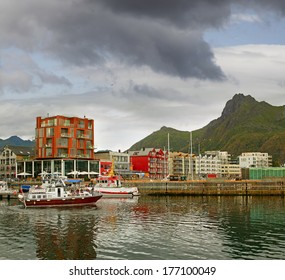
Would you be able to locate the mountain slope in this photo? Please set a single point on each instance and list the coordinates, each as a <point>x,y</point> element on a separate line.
<point>245,125</point>
<point>16,141</point>
<point>179,140</point>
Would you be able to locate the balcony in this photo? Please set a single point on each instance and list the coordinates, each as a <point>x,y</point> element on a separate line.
<point>68,124</point>
<point>62,155</point>
<point>90,147</point>
<point>83,136</point>
<point>65,135</point>
<point>81,125</point>
<point>84,156</point>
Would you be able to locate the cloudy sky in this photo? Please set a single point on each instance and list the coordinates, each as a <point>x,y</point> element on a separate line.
<point>134,66</point>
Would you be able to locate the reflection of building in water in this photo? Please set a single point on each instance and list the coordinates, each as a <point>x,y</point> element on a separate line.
<point>66,238</point>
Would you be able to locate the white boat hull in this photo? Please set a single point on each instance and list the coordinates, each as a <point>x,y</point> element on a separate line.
<point>117,192</point>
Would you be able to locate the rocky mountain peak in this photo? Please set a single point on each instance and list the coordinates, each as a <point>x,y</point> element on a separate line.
<point>236,102</point>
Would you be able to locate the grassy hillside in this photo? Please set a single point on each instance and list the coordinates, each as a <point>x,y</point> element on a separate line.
<point>159,139</point>
<point>245,125</point>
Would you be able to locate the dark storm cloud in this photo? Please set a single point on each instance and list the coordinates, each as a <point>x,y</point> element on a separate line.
<point>181,13</point>
<point>97,34</point>
<point>91,33</point>
<point>166,36</point>
<point>277,6</point>
<point>146,91</point>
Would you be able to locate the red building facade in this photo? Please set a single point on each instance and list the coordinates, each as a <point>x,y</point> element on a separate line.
<point>153,162</point>
<point>64,137</point>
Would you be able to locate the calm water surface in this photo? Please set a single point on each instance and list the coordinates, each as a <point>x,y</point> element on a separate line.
<point>148,227</point>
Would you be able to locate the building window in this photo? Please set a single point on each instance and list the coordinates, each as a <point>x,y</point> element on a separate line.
<point>48,152</point>
<point>62,142</point>
<point>50,132</point>
<point>81,124</point>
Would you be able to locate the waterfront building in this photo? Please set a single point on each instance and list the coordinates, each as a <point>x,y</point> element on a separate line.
<point>64,137</point>
<point>64,145</point>
<point>255,159</point>
<point>153,162</point>
<point>62,166</point>
<point>217,163</point>
<point>118,162</point>
<point>266,173</point>
<point>10,155</point>
<point>182,164</point>
<point>207,164</point>
<point>230,171</point>
<point>223,156</point>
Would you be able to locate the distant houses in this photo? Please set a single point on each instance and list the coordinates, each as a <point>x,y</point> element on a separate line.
<point>9,158</point>
<point>66,145</point>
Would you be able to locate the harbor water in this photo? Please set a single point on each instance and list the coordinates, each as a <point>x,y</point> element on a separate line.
<point>147,227</point>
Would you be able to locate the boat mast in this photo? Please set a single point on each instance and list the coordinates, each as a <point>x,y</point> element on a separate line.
<point>190,172</point>
<point>168,158</point>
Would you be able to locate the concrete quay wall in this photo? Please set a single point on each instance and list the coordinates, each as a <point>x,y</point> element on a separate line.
<point>265,187</point>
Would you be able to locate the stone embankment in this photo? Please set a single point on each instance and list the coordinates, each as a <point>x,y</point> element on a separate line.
<point>199,187</point>
<point>210,187</point>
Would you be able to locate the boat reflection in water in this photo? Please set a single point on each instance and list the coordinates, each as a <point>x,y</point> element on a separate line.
<point>72,233</point>
<point>68,234</point>
<point>148,227</point>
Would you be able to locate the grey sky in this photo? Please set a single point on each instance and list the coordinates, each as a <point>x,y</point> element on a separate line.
<point>135,66</point>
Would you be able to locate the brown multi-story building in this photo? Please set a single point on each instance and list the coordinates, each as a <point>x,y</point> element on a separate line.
<point>64,137</point>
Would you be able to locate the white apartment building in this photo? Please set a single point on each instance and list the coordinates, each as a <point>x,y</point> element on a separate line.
<point>223,156</point>
<point>255,159</point>
<point>216,162</point>
<point>207,164</point>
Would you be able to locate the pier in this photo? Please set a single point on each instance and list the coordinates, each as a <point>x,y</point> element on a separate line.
<point>213,187</point>
<point>210,187</point>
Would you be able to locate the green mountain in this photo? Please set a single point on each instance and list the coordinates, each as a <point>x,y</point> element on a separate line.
<point>16,141</point>
<point>245,125</point>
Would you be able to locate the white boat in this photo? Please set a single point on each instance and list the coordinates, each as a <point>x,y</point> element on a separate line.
<point>4,189</point>
<point>111,186</point>
<point>53,192</point>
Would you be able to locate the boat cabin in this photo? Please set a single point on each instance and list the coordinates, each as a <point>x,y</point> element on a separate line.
<point>110,181</point>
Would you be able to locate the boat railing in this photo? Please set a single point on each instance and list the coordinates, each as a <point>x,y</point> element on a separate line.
<point>37,189</point>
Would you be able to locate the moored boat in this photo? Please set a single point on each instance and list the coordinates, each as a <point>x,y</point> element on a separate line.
<point>25,188</point>
<point>4,189</point>
<point>111,186</point>
<point>53,192</point>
